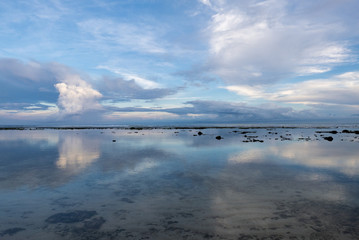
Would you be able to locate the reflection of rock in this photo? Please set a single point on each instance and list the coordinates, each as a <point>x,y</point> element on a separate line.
<point>70,217</point>
<point>77,152</point>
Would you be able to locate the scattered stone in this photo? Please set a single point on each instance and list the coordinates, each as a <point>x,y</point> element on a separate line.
<point>219,138</point>
<point>70,217</point>
<point>11,231</point>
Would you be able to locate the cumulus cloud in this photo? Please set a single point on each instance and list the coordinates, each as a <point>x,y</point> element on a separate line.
<point>77,98</point>
<point>256,42</point>
<point>29,88</point>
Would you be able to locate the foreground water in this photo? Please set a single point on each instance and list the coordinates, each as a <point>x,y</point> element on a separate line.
<point>265,183</point>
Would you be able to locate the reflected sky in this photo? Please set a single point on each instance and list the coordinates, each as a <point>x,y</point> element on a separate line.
<point>339,157</point>
<point>175,179</point>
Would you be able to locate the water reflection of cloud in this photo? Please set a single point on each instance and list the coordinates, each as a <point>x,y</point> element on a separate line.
<point>142,166</point>
<point>335,156</point>
<point>77,152</point>
<point>45,137</point>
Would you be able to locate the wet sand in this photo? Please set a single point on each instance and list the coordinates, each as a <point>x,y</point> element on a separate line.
<point>253,183</point>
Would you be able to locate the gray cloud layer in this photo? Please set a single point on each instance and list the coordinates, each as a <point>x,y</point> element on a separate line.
<point>227,112</point>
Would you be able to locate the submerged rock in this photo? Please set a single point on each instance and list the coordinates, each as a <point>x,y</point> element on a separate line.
<point>94,224</point>
<point>127,200</point>
<point>70,217</point>
<point>11,231</point>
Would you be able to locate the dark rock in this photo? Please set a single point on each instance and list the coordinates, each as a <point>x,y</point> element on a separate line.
<point>328,138</point>
<point>348,131</point>
<point>218,137</point>
<point>70,217</point>
<point>332,132</point>
<point>199,133</point>
<point>11,231</point>
<point>113,140</point>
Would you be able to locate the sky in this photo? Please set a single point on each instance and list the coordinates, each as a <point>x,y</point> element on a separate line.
<point>178,62</point>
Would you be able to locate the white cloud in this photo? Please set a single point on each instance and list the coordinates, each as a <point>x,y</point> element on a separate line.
<point>254,43</point>
<point>77,98</point>
<point>142,82</point>
<point>76,95</point>
<point>206,2</point>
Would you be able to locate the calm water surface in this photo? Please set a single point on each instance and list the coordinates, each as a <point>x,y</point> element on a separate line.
<point>174,184</point>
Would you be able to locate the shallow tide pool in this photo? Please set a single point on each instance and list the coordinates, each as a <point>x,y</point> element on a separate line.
<point>265,183</point>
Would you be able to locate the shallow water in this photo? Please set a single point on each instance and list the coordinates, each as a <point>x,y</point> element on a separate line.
<point>175,184</point>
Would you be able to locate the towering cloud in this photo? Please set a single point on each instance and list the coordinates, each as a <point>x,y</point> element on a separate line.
<point>76,95</point>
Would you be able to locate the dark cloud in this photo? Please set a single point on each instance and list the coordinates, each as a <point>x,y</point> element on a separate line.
<point>119,89</point>
<point>227,112</point>
<point>26,82</point>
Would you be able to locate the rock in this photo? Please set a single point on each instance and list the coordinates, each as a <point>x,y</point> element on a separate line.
<point>113,140</point>
<point>219,138</point>
<point>11,231</point>
<point>332,132</point>
<point>199,133</point>
<point>328,138</point>
<point>70,217</point>
<point>348,131</point>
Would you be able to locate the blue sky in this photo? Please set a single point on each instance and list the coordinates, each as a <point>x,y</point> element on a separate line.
<point>185,61</point>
